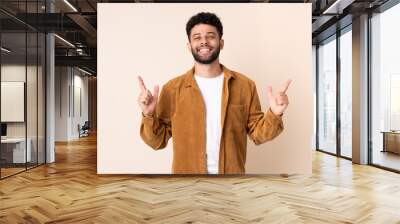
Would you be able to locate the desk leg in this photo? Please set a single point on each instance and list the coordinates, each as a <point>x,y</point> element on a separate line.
<point>384,142</point>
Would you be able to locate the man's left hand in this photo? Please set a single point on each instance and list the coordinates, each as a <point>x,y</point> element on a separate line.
<point>279,102</point>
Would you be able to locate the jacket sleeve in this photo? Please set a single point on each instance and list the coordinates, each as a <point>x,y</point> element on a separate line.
<point>155,130</point>
<point>262,127</point>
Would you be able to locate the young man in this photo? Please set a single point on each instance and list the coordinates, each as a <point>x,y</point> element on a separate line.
<point>209,110</point>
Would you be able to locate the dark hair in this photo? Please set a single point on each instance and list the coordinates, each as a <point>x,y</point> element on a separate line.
<point>204,18</point>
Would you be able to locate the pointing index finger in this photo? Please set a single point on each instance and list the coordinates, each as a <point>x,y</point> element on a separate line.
<point>141,83</point>
<point>286,86</point>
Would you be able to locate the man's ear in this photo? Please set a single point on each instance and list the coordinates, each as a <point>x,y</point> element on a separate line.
<point>189,47</point>
<point>221,43</point>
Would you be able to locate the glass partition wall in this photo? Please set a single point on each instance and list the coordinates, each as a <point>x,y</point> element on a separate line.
<point>22,88</point>
<point>385,89</point>
<point>345,62</point>
<point>327,95</point>
<point>334,84</point>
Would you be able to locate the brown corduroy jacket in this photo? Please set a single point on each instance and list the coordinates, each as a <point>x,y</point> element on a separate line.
<point>180,114</point>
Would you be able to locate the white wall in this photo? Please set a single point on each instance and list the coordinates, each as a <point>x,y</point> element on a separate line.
<point>61,103</point>
<point>67,116</point>
<point>15,72</point>
<point>80,84</point>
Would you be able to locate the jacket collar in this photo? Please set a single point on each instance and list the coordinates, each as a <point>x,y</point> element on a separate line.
<point>190,80</point>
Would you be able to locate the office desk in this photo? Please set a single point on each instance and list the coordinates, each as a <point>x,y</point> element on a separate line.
<point>13,150</point>
<point>391,141</point>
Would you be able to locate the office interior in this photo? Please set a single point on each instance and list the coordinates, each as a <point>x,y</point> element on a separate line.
<point>48,89</point>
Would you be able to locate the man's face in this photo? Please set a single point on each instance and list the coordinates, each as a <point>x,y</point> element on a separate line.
<point>205,43</point>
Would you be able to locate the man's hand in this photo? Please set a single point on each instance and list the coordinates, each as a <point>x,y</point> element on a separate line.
<point>279,102</point>
<point>147,101</point>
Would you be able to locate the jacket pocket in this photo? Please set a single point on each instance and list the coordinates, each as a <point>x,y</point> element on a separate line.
<point>236,116</point>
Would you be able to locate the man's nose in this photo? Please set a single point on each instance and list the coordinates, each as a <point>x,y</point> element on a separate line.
<point>203,41</point>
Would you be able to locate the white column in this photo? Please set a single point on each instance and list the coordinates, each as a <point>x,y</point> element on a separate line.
<point>360,90</point>
<point>50,100</point>
<point>50,91</point>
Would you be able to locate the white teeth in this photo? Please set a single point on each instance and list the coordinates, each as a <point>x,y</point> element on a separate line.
<point>204,50</point>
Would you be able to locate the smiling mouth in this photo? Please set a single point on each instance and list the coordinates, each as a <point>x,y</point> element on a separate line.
<point>204,51</point>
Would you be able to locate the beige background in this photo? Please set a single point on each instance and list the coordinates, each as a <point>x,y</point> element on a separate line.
<point>267,42</point>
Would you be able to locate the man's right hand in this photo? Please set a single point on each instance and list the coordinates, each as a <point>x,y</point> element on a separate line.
<point>147,101</point>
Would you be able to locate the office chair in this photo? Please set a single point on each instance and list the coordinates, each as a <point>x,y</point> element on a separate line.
<point>84,130</point>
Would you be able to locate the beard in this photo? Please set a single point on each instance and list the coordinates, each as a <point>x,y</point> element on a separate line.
<point>208,60</point>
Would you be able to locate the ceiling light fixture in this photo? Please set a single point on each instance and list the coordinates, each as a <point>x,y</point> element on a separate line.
<point>84,71</point>
<point>70,5</point>
<point>337,7</point>
<point>5,50</point>
<point>64,40</point>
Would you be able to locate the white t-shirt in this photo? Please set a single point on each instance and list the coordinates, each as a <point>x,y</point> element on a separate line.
<point>211,90</point>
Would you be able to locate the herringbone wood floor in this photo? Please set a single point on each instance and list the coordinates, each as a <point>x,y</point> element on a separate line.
<point>70,191</point>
